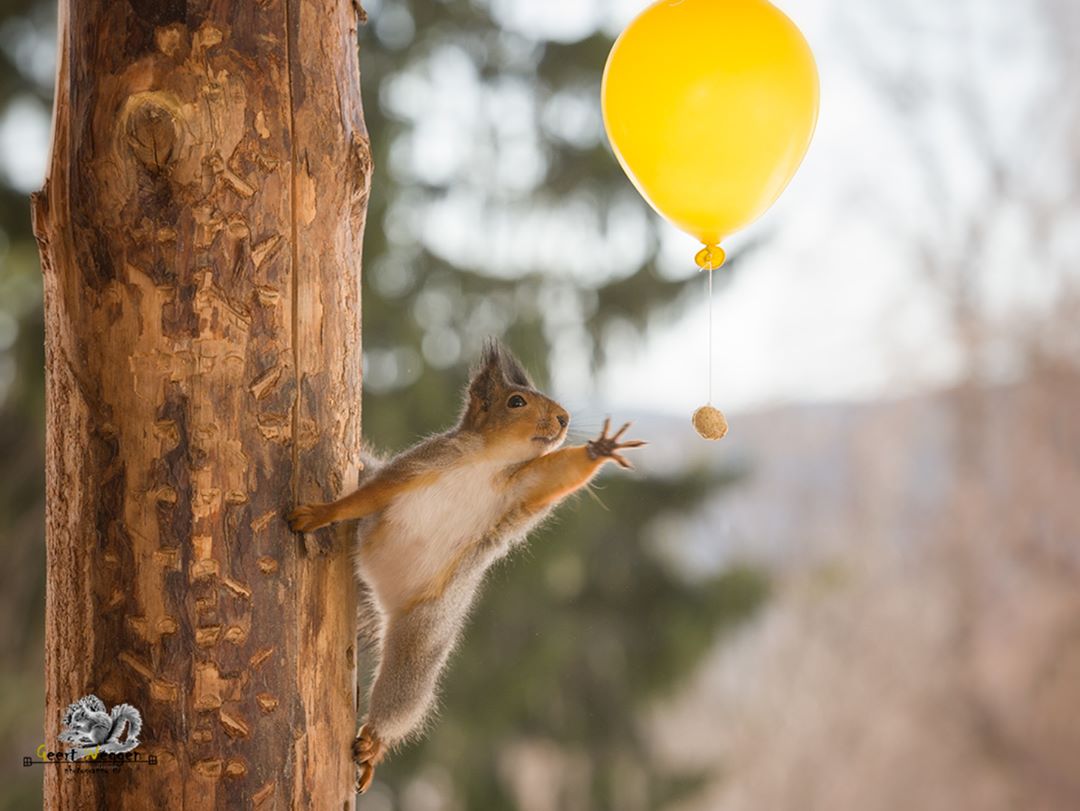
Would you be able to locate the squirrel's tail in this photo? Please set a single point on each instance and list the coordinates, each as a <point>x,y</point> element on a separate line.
<point>125,714</point>
<point>372,462</point>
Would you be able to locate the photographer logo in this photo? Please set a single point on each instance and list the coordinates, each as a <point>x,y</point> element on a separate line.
<point>98,737</point>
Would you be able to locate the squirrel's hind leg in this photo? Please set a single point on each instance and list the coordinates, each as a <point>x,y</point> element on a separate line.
<point>415,646</point>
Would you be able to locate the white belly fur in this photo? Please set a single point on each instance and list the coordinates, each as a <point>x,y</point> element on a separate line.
<point>425,529</point>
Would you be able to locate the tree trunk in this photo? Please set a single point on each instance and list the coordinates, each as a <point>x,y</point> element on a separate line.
<point>200,232</point>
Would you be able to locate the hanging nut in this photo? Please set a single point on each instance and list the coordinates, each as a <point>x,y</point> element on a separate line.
<point>710,423</point>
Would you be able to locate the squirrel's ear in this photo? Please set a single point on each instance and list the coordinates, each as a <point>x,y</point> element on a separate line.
<point>487,376</point>
<point>482,387</point>
<point>497,357</point>
<point>498,370</point>
<point>514,373</point>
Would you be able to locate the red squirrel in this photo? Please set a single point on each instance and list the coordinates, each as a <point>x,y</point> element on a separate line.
<point>435,517</point>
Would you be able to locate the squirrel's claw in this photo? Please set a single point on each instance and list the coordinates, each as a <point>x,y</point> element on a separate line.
<point>363,780</point>
<point>367,751</point>
<point>609,446</point>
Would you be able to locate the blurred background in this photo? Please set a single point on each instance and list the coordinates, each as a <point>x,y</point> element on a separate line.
<point>866,597</point>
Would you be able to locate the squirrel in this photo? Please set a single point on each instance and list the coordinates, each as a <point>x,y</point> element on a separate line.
<point>90,728</point>
<point>434,518</point>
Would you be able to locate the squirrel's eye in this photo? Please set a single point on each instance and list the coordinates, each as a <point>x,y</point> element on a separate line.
<point>517,401</point>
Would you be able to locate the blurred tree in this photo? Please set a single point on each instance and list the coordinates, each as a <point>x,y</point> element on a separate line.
<point>27,34</point>
<point>496,209</point>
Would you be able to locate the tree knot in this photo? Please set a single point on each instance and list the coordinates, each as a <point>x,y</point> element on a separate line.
<point>152,131</point>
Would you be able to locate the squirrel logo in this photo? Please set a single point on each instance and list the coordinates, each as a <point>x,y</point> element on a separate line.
<point>92,730</point>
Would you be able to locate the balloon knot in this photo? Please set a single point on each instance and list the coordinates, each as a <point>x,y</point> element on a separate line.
<point>710,257</point>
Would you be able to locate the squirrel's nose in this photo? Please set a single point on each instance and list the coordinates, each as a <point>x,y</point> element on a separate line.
<point>562,419</point>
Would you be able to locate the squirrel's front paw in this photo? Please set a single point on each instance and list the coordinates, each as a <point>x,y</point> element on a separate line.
<point>367,751</point>
<point>609,446</point>
<point>307,517</point>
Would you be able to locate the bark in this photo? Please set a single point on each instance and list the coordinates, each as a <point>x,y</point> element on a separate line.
<point>200,233</point>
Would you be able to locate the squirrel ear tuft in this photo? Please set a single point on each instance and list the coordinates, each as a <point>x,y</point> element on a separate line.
<point>498,357</point>
<point>491,357</point>
<point>513,372</point>
<point>487,376</point>
<point>498,369</point>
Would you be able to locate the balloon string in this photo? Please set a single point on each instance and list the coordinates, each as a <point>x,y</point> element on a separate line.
<point>710,343</point>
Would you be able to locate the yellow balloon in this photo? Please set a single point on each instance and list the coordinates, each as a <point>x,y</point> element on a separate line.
<point>710,106</point>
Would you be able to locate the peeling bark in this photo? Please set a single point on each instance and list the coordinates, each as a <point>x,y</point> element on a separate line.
<point>200,232</point>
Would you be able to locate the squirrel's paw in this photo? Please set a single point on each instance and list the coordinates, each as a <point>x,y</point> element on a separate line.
<point>609,446</point>
<point>367,751</point>
<point>306,517</point>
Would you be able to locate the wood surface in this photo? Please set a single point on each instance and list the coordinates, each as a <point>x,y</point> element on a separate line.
<point>200,231</point>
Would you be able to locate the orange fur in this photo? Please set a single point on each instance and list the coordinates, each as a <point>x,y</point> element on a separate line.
<point>366,501</point>
<point>556,475</point>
